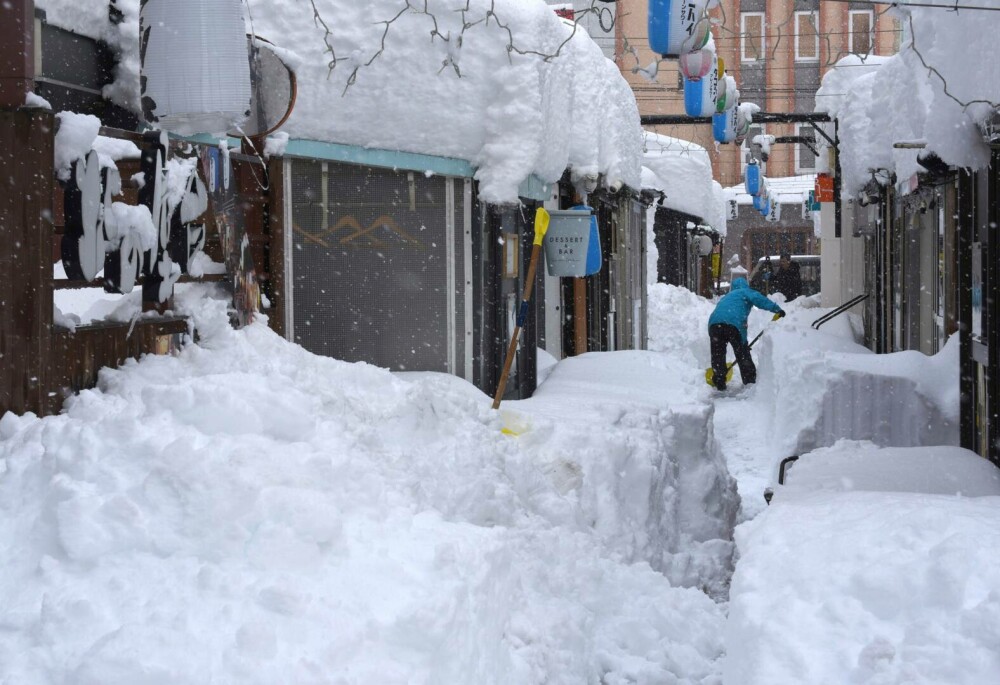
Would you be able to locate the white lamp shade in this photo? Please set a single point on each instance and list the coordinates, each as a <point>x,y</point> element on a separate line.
<point>195,65</point>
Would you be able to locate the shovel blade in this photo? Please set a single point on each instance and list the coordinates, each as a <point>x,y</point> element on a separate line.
<point>710,375</point>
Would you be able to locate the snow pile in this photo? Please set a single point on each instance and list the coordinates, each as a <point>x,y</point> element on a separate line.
<point>678,324</point>
<point>863,466</point>
<point>902,100</point>
<point>36,101</point>
<point>824,387</point>
<point>683,170</point>
<point>248,512</point>
<point>867,583</point>
<point>671,500</point>
<point>510,114</point>
<point>74,139</point>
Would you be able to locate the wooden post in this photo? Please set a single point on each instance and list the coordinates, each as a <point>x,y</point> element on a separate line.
<point>26,154</point>
<point>579,316</point>
<point>17,52</point>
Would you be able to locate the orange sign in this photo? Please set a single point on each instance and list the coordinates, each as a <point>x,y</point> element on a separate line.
<point>824,188</point>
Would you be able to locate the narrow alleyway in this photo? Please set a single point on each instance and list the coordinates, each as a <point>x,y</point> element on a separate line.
<point>742,434</point>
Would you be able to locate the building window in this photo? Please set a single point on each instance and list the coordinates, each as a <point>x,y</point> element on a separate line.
<point>862,32</point>
<point>805,160</point>
<point>806,37</point>
<point>752,36</point>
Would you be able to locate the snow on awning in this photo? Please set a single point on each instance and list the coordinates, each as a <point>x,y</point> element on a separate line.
<point>509,115</point>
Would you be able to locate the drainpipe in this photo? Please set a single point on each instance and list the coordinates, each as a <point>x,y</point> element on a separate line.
<point>17,52</point>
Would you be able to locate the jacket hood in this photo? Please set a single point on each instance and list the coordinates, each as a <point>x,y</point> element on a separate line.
<point>739,283</point>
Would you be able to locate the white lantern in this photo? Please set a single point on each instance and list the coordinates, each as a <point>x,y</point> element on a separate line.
<point>704,245</point>
<point>195,65</point>
<point>774,215</point>
<point>700,96</point>
<point>695,65</point>
<point>678,26</point>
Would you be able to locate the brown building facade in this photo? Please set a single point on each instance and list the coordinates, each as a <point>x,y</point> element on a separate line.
<point>778,52</point>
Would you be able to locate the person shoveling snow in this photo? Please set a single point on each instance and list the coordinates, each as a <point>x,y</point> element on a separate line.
<point>728,326</point>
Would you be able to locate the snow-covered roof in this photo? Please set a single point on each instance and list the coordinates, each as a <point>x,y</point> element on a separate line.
<point>884,101</point>
<point>510,115</point>
<point>787,189</point>
<point>683,170</point>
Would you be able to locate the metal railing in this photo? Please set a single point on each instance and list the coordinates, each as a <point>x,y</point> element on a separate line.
<point>839,310</point>
<point>782,469</point>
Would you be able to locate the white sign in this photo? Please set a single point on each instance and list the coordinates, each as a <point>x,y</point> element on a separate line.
<point>775,214</point>
<point>734,210</point>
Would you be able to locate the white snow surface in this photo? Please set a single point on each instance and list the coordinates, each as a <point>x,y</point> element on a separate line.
<point>683,171</point>
<point>510,115</point>
<point>899,99</point>
<point>874,564</point>
<point>247,512</point>
<point>74,139</point>
<point>253,512</point>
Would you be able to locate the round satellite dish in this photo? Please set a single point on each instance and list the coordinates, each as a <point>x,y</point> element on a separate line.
<point>273,90</point>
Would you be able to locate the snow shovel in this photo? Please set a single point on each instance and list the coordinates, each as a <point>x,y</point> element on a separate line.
<point>710,374</point>
<point>541,226</point>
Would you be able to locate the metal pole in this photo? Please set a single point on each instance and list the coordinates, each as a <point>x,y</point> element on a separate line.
<point>579,316</point>
<point>837,183</point>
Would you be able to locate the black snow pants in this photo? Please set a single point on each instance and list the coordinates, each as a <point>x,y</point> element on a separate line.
<point>722,334</point>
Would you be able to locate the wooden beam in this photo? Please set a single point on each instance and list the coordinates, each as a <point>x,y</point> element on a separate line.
<point>17,52</point>
<point>26,149</point>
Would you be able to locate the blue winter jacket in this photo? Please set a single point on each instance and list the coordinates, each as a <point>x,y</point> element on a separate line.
<point>734,308</point>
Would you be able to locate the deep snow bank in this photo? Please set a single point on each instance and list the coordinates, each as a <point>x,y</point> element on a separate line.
<point>825,387</point>
<point>859,573</point>
<point>248,512</point>
<point>655,478</point>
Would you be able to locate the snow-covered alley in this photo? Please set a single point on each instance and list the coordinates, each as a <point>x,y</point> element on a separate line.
<point>268,268</point>
<point>380,527</point>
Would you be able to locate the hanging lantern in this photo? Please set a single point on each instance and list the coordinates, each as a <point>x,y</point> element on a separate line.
<point>724,126</point>
<point>695,65</point>
<point>195,67</point>
<point>677,27</point>
<point>774,215</point>
<point>729,94</point>
<point>751,178</point>
<point>763,201</point>
<point>700,96</point>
